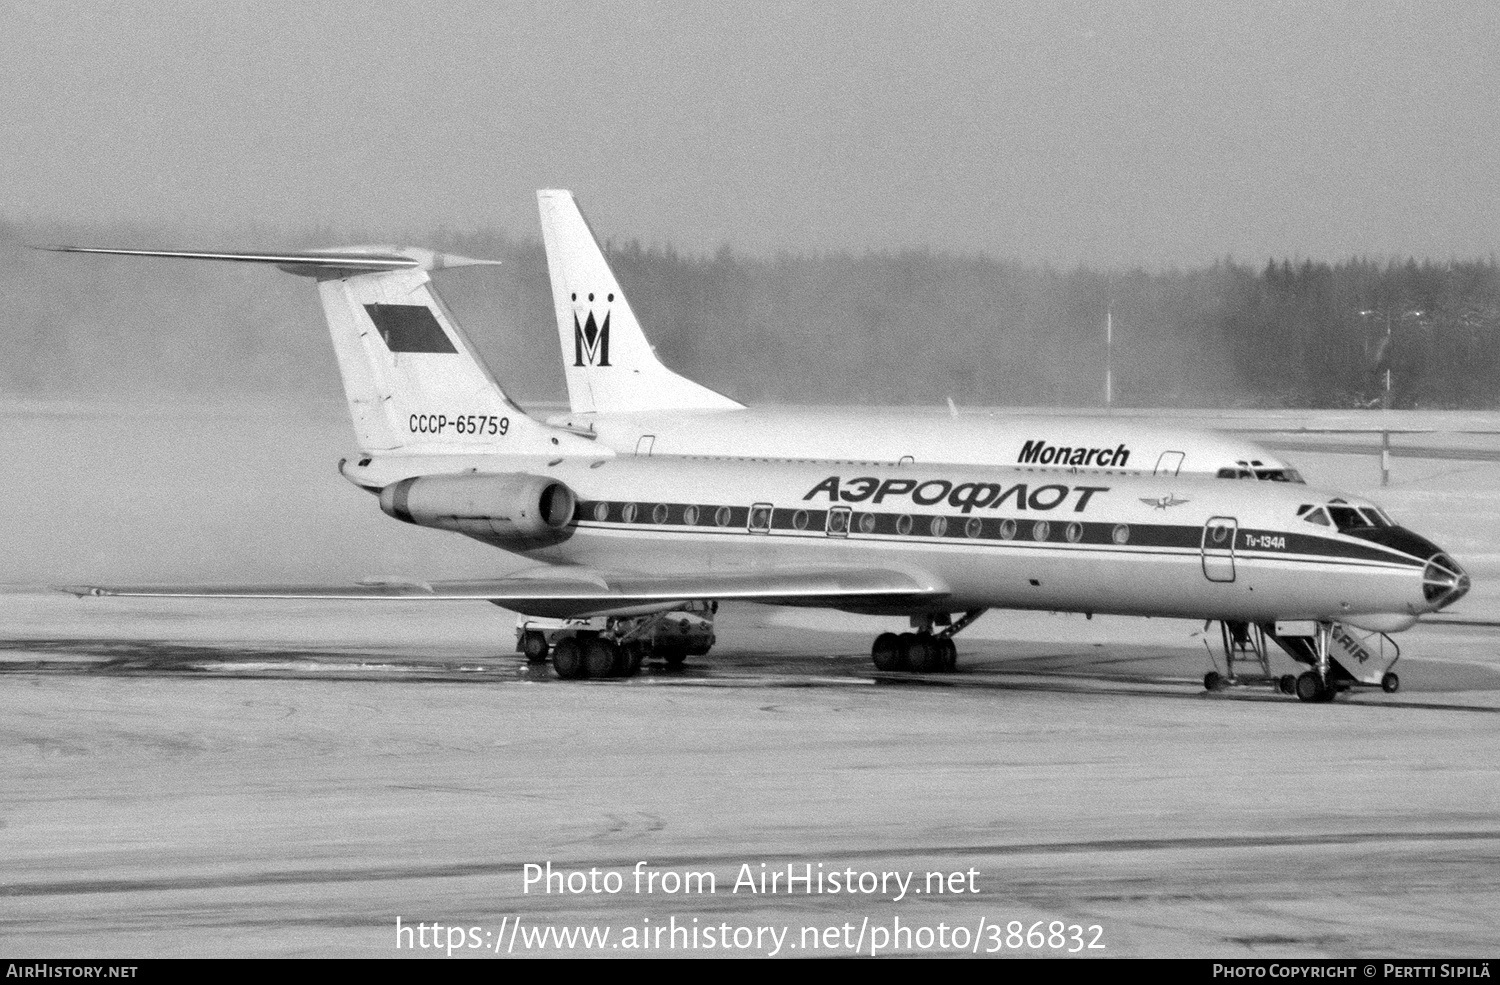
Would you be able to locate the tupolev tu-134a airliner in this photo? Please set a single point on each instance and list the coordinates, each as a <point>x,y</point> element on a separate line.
<point>619,534</point>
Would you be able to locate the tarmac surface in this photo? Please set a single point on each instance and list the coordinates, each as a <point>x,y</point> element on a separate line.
<point>264,779</point>
<point>291,779</point>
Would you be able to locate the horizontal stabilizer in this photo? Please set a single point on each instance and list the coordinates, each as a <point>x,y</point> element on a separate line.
<point>413,380</point>
<point>324,264</point>
<point>563,592</point>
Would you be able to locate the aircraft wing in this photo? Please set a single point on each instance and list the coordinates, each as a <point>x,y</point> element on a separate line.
<point>563,592</point>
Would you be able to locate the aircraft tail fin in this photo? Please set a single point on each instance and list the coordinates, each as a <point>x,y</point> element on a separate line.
<point>413,380</point>
<point>609,364</point>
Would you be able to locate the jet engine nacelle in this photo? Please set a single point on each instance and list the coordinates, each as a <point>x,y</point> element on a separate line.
<point>509,506</point>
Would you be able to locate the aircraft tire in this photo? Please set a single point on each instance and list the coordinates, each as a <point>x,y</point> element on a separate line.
<point>886,652</point>
<point>674,656</point>
<point>1390,683</point>
<point>600,657</point>
<point>633,654</point>
<point>1311,688</point>
<point>534,645</point>
<point>949,661</point>
<point>921,654</point>
<point>1213,681</point>
<point>1288,683</point>
<point>567,659</point>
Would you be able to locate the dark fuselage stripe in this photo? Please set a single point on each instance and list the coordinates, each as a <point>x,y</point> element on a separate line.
<point>959,528</point>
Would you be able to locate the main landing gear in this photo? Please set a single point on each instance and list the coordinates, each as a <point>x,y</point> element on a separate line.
<point>591,656</point>
<point>926,651</point>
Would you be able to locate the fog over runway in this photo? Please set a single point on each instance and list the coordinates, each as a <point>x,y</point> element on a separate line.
<point>260,778</point>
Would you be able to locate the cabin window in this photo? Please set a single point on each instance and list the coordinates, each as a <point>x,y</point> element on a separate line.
<point>722,516</point>
<point>1007,530</point>
<point>867,523</point>
<point>903,525</point>
<point>799,520</point>
<point>1316,515</point>
<point>690,515</point>
<point>659,513</point>
<point>939,526</point>
<point>1122,534</point>
<point>628,513</point>
<point>1075,532</point>
<point>1040,530</point>
<point>601,512</point>
<point>974,527</point>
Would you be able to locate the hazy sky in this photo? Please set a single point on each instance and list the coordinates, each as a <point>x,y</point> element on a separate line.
<point>1111,133</point>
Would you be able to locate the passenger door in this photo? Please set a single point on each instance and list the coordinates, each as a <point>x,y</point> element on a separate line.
<point>1219,535</point>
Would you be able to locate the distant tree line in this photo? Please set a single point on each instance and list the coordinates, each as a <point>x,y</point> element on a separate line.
<point>911,327</point>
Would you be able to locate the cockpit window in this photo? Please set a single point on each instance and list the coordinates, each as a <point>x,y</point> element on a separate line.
<point>1316,515</point>
<point>1344,515</point>
<point>1254,471</point>
<point>1347,518</point>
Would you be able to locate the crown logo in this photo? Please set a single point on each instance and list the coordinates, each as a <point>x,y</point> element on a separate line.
<point>591,341</point>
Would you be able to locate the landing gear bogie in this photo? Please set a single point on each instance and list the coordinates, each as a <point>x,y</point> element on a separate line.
<point>924,651</point>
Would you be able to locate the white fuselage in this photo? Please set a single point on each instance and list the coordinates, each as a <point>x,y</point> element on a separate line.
<point>1081,444</point>
<point>1171,546</point>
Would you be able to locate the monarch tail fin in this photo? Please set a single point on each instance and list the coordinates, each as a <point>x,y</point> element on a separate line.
<point>608,362</point>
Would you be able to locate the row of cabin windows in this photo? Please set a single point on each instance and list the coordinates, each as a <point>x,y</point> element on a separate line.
<point>760,519</point>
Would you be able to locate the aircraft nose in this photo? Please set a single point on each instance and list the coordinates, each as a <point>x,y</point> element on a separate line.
<point>1443,581</point>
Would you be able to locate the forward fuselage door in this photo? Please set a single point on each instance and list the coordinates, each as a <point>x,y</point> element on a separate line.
<point>1219,535</point>
<point>1170,463</point>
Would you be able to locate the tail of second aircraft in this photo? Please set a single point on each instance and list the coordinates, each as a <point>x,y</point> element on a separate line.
<point>413,380</point>
<point>609,364</point>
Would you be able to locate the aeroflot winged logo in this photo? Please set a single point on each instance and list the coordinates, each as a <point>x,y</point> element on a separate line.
<point>591,339</point>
